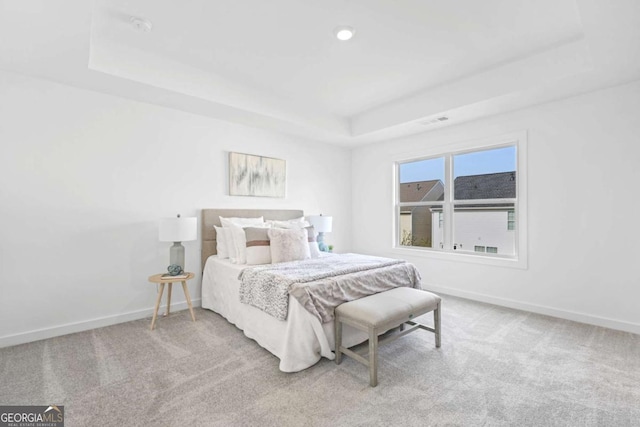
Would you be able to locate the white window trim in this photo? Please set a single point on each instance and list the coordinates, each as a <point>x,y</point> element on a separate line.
<point>520,260</point>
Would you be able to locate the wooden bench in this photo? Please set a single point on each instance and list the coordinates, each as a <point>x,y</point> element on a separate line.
<point>381,312</point>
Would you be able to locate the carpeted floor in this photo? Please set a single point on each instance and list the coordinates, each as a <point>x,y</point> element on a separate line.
<point>497,366</point>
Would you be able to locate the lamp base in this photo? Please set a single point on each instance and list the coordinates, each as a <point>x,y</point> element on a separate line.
<point>176,254</point>
<point>321,245</point>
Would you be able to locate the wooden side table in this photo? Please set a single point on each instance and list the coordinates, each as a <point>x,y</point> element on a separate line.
<point>157,278</point>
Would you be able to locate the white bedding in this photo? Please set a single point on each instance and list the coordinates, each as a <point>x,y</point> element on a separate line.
<point>298,342</point>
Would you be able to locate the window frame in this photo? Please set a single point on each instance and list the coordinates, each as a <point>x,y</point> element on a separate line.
<point>520,258</point>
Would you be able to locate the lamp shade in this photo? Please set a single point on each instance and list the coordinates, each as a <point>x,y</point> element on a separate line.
<point>321,223</point>
<point>178,229</point>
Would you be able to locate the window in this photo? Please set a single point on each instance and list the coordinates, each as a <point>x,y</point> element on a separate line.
<point>421,202</point>
<point>458,202</point>
<point>511,220</point>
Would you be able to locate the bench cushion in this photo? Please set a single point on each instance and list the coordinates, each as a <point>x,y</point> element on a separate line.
<point>396,305</point>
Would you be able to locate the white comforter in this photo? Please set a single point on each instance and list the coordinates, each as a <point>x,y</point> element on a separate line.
<point>299,342</point>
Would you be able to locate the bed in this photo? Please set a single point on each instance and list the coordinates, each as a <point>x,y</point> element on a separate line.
<point>300,340</point>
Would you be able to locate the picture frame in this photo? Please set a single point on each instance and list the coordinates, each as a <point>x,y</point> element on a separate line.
<point>256,176</point>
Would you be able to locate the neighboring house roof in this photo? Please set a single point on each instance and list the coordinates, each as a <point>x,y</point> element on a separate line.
<point>420,191</point>
<point>488,186</point>
<point>416,191</point>
<point>500,185</point>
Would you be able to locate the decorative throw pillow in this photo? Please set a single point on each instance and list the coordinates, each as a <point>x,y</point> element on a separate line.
<point>289,244</point>
<point>314,250</point>
<point>258,245</point>
<point>222,242</point>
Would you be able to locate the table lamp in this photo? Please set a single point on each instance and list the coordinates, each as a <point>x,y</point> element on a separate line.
<point>322,224</point>
<point>178,230</point>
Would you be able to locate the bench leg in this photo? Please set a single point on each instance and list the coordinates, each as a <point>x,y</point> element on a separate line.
<point>373,357</point>
<point>436,324</point>
<point>337,328</point>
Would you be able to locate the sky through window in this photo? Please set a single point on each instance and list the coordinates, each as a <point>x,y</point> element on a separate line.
<point>476,163</point>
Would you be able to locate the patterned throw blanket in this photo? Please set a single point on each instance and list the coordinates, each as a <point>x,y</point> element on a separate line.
<point>321,284</point>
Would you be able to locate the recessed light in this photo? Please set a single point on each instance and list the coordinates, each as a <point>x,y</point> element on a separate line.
<point>344,32</point>
<point>141,25</point>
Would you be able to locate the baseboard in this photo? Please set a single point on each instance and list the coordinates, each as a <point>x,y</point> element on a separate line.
<point>539,309</point>
<point>69,328</point>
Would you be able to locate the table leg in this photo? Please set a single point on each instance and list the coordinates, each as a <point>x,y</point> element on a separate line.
<point>166,313</point>
<point>186,294</point>
<point>155,312</point>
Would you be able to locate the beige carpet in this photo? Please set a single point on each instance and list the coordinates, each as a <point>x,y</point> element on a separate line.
<point>496,367</point>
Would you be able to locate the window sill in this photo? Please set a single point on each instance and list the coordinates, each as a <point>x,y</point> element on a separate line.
<point>496,260</point>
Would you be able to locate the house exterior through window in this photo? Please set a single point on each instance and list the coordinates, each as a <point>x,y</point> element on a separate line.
<point>464,201</point>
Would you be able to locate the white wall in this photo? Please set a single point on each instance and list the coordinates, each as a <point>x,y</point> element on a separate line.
<point>583,169</point>
<point>85,178</point>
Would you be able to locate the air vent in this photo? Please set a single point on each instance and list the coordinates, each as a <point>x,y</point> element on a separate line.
<point>141,25</point>
<point>434,121</point>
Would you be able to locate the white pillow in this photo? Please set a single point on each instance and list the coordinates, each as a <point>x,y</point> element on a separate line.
<point>289,244</point>
<point>242,222</point>
<point>222,237</point>
<point>290,223</point>
<point>314,250</point>
<point>238,242</point>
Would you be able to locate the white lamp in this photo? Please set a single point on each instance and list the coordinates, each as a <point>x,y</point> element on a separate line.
<point>178,230</point>
<point>322,224</point>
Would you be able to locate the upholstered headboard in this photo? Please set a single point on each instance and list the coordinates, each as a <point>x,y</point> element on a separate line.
<point>211,217</point>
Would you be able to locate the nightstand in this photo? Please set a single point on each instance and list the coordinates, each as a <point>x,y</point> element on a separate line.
<point>157,278</point>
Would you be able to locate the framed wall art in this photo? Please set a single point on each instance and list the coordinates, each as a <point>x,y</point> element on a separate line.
<point>256,176</point>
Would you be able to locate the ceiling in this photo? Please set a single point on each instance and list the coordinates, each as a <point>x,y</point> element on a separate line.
<point>277,65</point>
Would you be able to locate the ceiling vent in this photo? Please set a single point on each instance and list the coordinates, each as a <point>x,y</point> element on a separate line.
<point>434,121</point>
<point>141,25</point>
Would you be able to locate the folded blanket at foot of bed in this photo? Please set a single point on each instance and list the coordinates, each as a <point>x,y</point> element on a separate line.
<point>321,284</point>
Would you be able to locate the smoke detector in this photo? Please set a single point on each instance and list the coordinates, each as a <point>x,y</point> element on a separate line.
<point>141,25</point>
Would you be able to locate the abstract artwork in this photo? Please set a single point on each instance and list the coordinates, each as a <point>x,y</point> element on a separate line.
<point>256,176</point>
